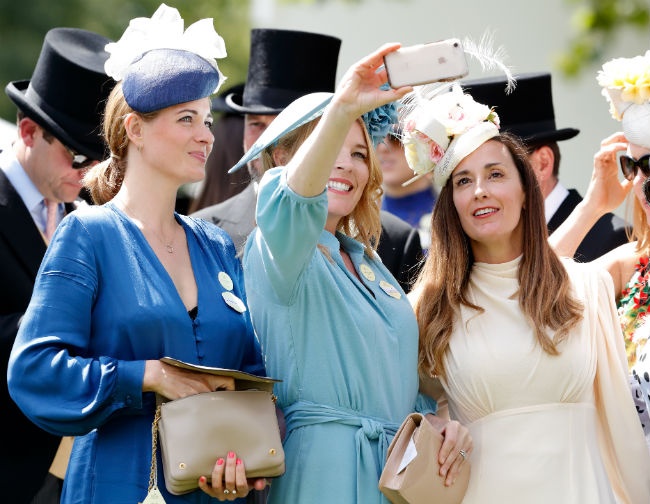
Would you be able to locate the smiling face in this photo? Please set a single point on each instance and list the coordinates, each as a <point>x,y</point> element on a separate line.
<point>489,197</point>
<point>348,178</point>
<point>178,140</point>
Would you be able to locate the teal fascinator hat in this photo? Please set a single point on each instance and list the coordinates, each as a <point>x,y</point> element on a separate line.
<point>379,122</point>
<point>300,111</point>
<point>309,107</point>
<point>160,64</point>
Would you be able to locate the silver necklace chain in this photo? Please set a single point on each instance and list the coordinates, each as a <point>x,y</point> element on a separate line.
<point>168,245</point>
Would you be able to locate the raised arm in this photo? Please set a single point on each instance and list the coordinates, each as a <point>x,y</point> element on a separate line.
<point>605,193</point>
<point>357,93</point>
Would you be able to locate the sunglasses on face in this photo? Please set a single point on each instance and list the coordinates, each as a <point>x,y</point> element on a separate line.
<point>630,166</point>
<point>78,160</point>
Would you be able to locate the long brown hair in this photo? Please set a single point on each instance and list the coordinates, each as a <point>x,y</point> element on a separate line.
<point>364,222</point>
<point>104,180</point>
<point>544,294</point>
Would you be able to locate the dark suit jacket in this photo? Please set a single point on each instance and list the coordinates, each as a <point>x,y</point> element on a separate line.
<point>27,451</point>
<point>236,216</point>
<point>399,246</point>
<point>400,249</point>
<point>607,234</point>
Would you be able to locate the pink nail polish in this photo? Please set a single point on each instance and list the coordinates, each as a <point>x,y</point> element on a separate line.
<point>220,461</point>
<point>231,454</point>
<point>239,462</point>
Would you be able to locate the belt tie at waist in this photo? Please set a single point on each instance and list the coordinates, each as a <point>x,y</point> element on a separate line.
<point>303,414</point>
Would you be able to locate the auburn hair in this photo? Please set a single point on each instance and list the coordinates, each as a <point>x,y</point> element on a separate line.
<point>104,180</point>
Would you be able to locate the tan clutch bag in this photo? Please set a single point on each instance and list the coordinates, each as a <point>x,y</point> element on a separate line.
<point>411,474</point>
<point>193,432</point>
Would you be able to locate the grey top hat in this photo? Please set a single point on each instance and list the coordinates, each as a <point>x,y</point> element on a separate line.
<point>68,89</point>
<point>285,65</point>
<point>526,112</point>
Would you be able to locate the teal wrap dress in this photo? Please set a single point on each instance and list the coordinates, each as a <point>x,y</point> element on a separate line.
<point>346,349</point>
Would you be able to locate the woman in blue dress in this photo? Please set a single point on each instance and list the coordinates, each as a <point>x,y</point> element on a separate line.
<point>333,322</point>
<point>128,281</point>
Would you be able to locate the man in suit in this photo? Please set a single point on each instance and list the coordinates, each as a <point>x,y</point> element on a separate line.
<point>528,113</point>
<point>58,138</point>
<point>277,75</point>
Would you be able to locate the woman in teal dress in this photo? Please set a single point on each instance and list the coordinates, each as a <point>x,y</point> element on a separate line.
<point>333,322</point>
<point>128,281</point>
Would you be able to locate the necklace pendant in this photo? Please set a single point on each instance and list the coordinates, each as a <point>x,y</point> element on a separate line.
<point>170,249</point>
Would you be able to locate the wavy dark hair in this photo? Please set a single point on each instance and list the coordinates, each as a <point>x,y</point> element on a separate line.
<point>545,294</point>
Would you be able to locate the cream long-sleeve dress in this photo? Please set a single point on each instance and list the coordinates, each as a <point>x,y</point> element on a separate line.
<point>546,429</point>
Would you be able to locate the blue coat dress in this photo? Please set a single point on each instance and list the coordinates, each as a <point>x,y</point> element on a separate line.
<point>345,349</point>
<point>103,304</point>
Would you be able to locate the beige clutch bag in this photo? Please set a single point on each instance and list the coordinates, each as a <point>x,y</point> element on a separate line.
<point>411,474</point>
<point>193,432</point>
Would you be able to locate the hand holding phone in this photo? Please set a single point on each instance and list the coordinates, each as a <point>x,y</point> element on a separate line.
<point>424,63</point>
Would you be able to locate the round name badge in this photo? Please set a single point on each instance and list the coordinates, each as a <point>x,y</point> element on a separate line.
<point>234,302</point>
<point>389,289</point>
<point>225,280</point>
<point>367,272</point>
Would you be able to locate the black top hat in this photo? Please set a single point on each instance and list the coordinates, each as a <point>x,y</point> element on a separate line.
<point>285,65</point>
<point>68,88</point>
<point>527,111</point>
<point>219,102</point>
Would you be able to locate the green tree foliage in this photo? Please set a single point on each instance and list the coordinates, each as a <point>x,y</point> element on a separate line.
<point>596,24</point>
<point>24,23</point>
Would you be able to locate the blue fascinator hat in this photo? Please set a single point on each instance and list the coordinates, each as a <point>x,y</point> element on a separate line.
<point>311,106</point>
<point>160,64</point>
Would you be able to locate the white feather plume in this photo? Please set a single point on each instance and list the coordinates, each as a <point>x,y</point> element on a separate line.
<point>490,58</point>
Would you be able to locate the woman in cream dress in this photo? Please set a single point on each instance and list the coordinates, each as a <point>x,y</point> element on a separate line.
<point>526,346</point>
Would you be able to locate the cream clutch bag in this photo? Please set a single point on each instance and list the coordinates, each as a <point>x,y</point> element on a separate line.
<point>193,432</point>
<point>411,474</point>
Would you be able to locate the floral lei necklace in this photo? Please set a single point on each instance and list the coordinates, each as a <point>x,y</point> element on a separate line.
<point>633,306</point>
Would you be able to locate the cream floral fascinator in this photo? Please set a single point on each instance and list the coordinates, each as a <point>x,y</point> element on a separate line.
<point>441,125</point>
<point>626,86</point>
<point>440,132</point>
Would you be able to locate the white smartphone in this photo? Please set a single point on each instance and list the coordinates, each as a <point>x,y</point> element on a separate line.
<point>424,63</point>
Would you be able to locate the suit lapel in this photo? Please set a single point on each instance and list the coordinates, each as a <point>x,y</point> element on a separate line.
<point>17,228</point>
<point>564,210</point>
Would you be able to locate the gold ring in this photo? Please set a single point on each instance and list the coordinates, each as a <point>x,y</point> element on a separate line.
<point>226,491</point>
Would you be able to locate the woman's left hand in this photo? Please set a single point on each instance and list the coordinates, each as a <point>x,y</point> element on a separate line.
<point>229,480</point>
<point>607,190</point>
<point>455,449</point>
